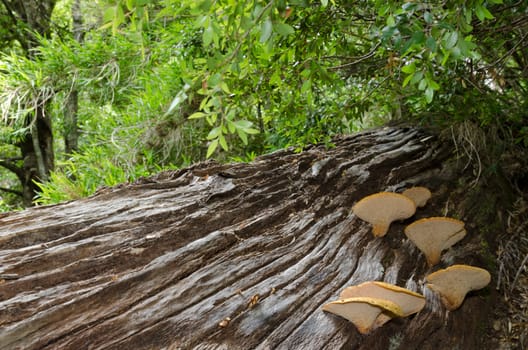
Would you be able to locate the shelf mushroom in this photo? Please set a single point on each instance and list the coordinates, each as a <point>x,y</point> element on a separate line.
<point>454,282</point>
<point>418,194</point>
<point>381,209</point>
<point>409,301</point>
<point>363,311</point>
<point>435,234</point>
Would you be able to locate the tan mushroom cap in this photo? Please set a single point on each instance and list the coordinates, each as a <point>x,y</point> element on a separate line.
<point>435,234</point>
<point>409,301</point>
<point>454,282</point>
<point>418,194</point>
<point>362,311</point>
<point>381,209</point>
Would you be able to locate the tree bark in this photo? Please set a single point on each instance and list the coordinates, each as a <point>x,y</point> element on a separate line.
<point>241,256</point>
<point>71,127</point>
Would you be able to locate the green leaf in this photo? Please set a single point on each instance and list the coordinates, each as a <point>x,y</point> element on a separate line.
<point>406,81</point>
<point>430,43</point>
<point>417,77</point>
<point>212,148</point>
<point>283,29</point>
<point>211,118</point>
<point>423,84</point>
<point>409,68</point>
<point>428,17</point>
<point>482,12</point>
<point>251,131</point>
<point>265,30</point>
<point>119,17</point>
<point>418,38</point>
<point>197,115</point>
<point>324,3</point>
<point>243,124</point>
<point>450,39</point>
<point>208,36</point>
<point>445,58</point>
<point>242,135</point>
<point>231,127</point>
<point>214,133</point>
<point>130,4</point>
<point>180,97</point>
<point>391,21</point>
<point>429,93</point>
<point>223,142</point>
<point>224,87</point>
<point>307,85</point>
<point>433,84</point>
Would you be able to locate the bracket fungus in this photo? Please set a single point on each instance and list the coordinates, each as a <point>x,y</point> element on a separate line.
<point>418,194</point>
<point>409,301</point>
<point>454,282</point>
<point>435,234</point>
<point>363,312</point>
<point>381,209</point>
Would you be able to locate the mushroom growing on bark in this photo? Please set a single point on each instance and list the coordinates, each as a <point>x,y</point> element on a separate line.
<point>433,235</point>
<point>409,301</point>
<point>454,282</point>
<point>381,209</point>
<point>418,194</point>
<point>363,312</point>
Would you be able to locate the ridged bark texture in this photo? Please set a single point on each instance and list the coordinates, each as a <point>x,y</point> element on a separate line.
<point>236,256</point>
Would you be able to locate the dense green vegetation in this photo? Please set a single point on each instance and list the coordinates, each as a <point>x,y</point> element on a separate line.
<point>125,88</point>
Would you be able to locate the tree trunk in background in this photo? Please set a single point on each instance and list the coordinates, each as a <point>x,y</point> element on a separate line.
<point>37,146</point>
<point>243,256</point>
<point>71,128</point>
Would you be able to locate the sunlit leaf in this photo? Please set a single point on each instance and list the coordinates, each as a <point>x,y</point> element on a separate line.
<point>409,68</point>
<point>208,35</point>
<point>242,135</point>
<point>223,142</point>
<point>231,127</point>
<point>407,80</point>
<point>212,147</point>
<point>242,124</point>
<point>214,133</point>
<point>197,115</point>
<point>251,131</point>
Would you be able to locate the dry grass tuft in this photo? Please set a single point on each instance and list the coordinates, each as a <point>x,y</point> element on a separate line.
<point>513,279</point>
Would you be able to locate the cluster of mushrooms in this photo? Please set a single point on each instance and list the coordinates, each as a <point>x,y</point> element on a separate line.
<point>371,304</point>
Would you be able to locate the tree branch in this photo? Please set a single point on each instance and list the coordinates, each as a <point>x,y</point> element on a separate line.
<point>358,59</point>
<point>11,167</point>
<point>8,190</point>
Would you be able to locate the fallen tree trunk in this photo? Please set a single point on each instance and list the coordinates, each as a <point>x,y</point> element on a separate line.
<point>239,256</point>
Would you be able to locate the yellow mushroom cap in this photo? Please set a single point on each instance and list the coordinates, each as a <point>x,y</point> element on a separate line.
<point>362,311</point>
<point>418,194</point>
<point>381,209</point>
<point>409,301</point>
<point>433,235</point>
<point>454,282</point>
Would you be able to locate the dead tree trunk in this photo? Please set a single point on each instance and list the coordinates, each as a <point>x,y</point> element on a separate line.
<point>239,256</point>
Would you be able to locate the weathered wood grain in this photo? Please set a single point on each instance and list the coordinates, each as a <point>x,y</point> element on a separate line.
<point>158,264</point>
